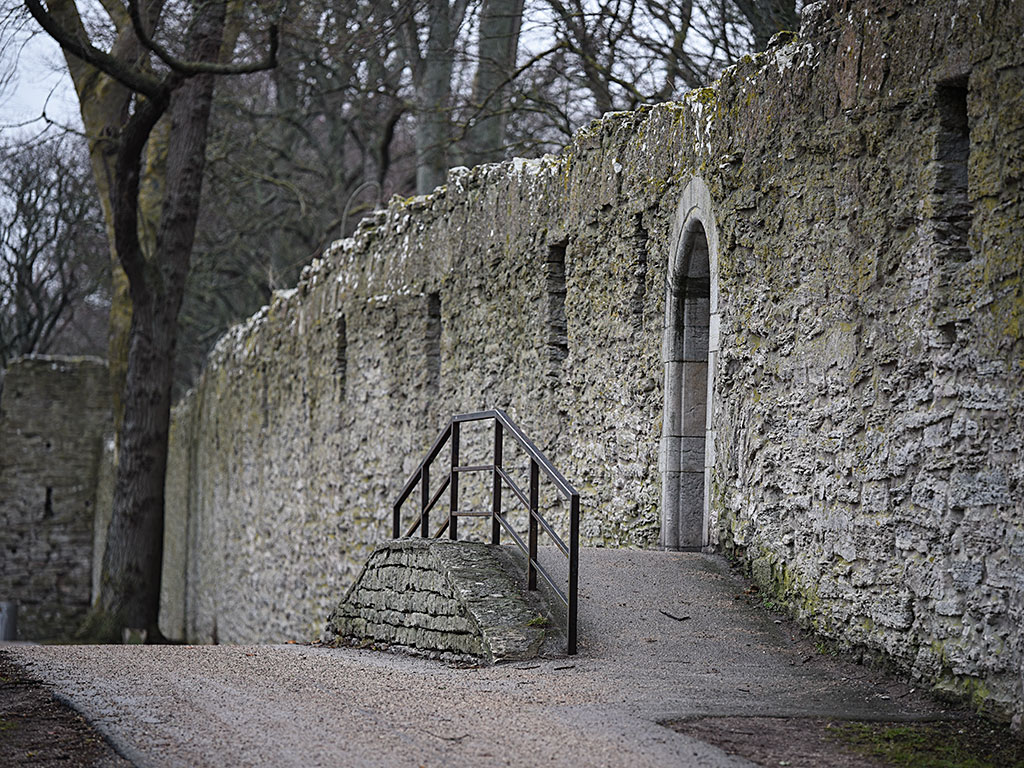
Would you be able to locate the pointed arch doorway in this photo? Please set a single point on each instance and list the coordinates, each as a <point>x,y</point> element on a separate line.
<point>689,351</point>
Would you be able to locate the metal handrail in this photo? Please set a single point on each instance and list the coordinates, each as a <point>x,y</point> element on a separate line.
<point>529,499</point>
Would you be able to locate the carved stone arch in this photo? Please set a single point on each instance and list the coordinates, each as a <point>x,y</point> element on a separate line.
<point>689,351</point>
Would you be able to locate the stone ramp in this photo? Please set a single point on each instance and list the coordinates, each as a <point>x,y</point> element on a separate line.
<point>443,598</point>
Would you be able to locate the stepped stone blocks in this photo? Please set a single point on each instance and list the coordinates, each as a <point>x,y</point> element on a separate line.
<point>865,351</point>
<point>54,413</point>
<point>439,596</point>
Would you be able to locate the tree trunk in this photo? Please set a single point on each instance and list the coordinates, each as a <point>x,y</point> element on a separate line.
<point>104,106</point>
<point>433,93</point>
<point>500,22</point>
<point>130,589</point>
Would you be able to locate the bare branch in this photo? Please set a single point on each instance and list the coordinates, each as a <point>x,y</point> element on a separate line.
<point>478,109</point>
<point>192,68</point>
<point>132,77</point>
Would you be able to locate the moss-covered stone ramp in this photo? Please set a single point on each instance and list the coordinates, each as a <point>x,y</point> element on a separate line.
<point>439,596</point>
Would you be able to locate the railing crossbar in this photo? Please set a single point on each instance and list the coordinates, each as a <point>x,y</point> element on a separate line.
<point>554,536</point>
<point>540,569</point>
<point>433,499</point>
<point>563,485</point>
<point>512,532</point>
<point>414,478</point>
<point>520,494</point>
<point>547,577</point>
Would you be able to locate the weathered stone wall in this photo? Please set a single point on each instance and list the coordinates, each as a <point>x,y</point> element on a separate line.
<point>861,188</point>
<point>53,415</point>
<point>870,380</point>
<point>309,417</point>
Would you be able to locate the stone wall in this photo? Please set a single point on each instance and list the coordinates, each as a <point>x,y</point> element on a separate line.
<point>818,259</point>
<point>870,379</point>
<point>53,415</point>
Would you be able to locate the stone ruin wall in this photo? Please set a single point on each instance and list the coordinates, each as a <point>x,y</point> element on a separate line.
<point>54,412</point>
<point>866,415</point>
<point>869,393</point>
<point>309,418</point>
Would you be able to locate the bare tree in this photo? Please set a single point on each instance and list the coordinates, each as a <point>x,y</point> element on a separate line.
<point>295,156</point>
<point>52,246</point>
<point>160,77</point>
<point>429,31</point>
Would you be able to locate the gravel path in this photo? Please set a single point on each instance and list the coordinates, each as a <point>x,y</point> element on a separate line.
<point>665,636</point>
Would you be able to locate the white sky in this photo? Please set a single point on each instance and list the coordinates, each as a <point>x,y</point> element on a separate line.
<point>40,81</point>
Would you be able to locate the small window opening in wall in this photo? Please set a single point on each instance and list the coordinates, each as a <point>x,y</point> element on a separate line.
<point>433,342</point>
<point>558,334</point>
<point>640,243</point>
<point>341,352</point>
<point>265,395</point>
<point>952,152</point>
<point>48,504</point>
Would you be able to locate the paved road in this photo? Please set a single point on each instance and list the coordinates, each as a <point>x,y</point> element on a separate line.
<point>295,705</point>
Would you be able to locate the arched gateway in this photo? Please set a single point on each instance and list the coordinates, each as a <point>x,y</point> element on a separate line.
<point>689,351</point>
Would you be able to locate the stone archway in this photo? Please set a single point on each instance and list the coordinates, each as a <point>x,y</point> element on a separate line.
<point>689,351</point>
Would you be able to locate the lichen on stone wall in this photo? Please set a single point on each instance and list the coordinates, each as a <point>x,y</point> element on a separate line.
<point>867,387</point>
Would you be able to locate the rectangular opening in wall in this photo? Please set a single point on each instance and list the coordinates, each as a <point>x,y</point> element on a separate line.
<point>952,152</point>
<point>341,353</point>
<point>640,244</point>
<point>554,286</point>
<point>433,342</point>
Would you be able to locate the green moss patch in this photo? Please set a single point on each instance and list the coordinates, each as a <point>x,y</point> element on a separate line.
<point>971,743</point>
<point>799,742</point>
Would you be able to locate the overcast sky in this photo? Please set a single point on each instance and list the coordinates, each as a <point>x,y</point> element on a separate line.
<point>40,80</point>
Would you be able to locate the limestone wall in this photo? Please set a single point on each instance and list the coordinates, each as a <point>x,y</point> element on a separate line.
<point>870,382</point>
<point>53,415</point>
<point>858,191</point>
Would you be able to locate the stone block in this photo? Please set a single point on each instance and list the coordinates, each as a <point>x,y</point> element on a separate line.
<point>476,610</point>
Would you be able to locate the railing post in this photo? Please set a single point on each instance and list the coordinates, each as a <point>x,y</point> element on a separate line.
<point>424,501</point>
<point>574,568</point>
<point>453,489</point>
<point>496,485</point>
<point>396,521</point>
<point>531,571</point>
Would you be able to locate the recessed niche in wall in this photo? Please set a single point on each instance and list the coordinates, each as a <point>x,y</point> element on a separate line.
<point>433,342</point>
<point>341,352</point>
<point>951,155</point>
<point>554,287</point>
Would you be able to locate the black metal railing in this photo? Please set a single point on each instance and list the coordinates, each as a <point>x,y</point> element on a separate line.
<point>529,499</point>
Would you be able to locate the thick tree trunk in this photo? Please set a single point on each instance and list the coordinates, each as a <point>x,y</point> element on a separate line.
<point>104,105</point>
<point>130,589</point>
<point>500,22</point>
<point>433,93</point>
